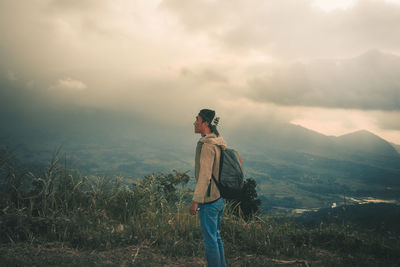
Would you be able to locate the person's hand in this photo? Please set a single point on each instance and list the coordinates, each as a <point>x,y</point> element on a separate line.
<point>193,208</point>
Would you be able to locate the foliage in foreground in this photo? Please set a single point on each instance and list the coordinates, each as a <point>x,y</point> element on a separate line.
<point>107,212</point>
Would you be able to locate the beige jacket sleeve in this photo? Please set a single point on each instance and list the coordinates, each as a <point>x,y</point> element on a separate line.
<point>207,157</point>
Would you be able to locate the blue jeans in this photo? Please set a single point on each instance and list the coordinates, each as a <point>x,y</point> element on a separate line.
<point>210,221</point>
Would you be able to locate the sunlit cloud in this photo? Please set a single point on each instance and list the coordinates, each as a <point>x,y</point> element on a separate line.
<point>333,121</point>
<point>70,84</point>
<point>337,122</point>
<point>292,29</point>
<point>166,59</point>
<point>329,5</point>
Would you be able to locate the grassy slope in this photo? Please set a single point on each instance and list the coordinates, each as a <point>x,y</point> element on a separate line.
<point>62,219</point>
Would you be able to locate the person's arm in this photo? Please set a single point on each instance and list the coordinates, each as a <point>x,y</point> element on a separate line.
<point>206,167</point>
<point>193,208</point>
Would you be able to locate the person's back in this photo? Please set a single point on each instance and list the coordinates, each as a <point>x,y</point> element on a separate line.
<point>206,198</point>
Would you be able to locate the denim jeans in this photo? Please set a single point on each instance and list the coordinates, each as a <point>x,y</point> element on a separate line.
<point>210,221</point>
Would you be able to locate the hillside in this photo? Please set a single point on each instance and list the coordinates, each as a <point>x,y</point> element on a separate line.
<point>62,218</point>
<point>397,147</point>
<point>295,168</point>
<point>380,217</point>
<point>366,142</point>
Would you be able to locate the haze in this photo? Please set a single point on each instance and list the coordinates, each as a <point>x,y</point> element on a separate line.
<point>330,66</point>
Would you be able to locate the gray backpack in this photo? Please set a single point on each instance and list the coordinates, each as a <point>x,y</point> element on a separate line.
<point>231,175</point>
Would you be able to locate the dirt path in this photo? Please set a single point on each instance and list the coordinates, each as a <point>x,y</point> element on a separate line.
<point>57,254</point>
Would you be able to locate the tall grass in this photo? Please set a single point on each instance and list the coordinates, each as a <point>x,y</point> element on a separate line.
<point>94,212</point>
<point>105,212</point>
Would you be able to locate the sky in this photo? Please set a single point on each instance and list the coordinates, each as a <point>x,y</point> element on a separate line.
<point>329,66</point>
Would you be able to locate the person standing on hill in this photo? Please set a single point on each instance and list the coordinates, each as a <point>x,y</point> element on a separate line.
<point>206,198</point>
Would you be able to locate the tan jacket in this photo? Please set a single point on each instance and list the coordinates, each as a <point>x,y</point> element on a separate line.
<point>206,162</point>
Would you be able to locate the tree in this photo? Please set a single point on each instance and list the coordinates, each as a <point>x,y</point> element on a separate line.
<point>248,201</point>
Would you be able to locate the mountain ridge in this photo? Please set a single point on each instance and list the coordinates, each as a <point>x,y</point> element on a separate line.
<point>364,141</point>
<point>294,166</point>
<point>396,146</point>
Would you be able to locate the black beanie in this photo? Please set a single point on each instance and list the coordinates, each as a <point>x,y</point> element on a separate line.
<point>207,115</point>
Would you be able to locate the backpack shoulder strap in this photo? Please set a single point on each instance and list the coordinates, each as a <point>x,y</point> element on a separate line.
<point>221,159</point>
<point>219,174</point>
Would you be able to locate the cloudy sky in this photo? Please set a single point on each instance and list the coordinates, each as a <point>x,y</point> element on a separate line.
<point>330,66</point>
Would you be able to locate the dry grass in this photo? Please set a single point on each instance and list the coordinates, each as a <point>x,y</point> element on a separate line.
<point>63,219</point>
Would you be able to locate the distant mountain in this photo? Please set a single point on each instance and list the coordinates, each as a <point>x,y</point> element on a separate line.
<point>288,139</point>
<point>366,142</point>
<point>299,168</point>
<point>397,147</point>
<point>367,148</point>
<point>382,217</point>
<point>294,167</point>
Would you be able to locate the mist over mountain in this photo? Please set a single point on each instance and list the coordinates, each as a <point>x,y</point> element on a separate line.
<point>294,167</point>
<point>397,147</point>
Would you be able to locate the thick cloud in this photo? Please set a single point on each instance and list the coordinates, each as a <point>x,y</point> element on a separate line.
<point>164,60</point>
<point>388,120</point>
<point>370,81</point>
<point>292,28</point>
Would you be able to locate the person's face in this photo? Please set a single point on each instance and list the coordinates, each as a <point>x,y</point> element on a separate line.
<point>199,124</point>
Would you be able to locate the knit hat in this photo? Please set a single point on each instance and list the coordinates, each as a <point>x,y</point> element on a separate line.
<point>207,115</point>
